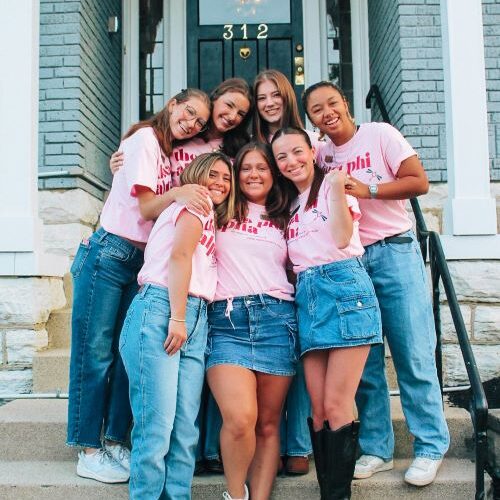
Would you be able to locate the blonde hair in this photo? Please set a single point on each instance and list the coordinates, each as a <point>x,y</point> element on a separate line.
<point>198,172</point>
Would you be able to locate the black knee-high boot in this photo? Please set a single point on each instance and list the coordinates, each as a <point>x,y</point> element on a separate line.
<point>339,452</point>
<point>319,461</point>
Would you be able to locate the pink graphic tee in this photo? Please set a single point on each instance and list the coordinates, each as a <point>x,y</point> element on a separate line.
<point>373,156</point>
<point>157,254</point>
<point>309,238</point>
<point>144,164</point>
<point>185,152</point>
<point>251,258</point>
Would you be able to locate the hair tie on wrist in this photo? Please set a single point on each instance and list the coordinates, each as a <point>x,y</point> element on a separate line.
<point>178,320</point>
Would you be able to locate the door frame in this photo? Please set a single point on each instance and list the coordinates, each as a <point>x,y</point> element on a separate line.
<point>316,68</point>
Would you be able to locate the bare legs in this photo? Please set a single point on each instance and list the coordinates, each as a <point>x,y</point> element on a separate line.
<point>332,378</point>
<point>251,405</point>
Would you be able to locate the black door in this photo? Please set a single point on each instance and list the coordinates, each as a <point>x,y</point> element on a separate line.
<point>227,38</point>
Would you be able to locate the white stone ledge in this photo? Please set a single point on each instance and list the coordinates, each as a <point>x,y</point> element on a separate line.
<point>32,264</point>
<point>471,247</point>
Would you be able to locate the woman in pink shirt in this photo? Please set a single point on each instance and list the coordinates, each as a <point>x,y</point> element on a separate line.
<point>386,171</point>
<point>251,354</point>
<point>165,333</point>
<point>105,280</point>
<point>337,311</point>
<point>276,107</point>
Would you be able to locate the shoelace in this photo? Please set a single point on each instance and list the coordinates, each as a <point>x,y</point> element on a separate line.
<point>105,456</point>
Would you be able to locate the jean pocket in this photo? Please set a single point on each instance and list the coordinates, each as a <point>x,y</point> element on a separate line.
<point>359,317</point>
<point>342,276</point>
<point>80,258</point>
<point>113,252</point>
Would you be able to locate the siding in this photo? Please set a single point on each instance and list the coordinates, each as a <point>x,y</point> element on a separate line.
<point>491,24</point>
<point>80,89</point>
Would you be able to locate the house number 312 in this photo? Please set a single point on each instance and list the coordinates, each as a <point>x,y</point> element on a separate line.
<point>228,34</point>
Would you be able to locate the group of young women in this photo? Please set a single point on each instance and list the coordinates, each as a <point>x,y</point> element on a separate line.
<point>264,256</point>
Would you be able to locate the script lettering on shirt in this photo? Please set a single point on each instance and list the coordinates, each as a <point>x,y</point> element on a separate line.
<point>248,226</point>
<point>207,239</point>
<point>361,163</point>
<point>184,159</point>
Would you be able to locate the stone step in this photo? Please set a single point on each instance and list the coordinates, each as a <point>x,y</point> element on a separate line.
<point>59,328</point>
<point>41,424</point>
<point>51,370</point>
<point>58,481</point>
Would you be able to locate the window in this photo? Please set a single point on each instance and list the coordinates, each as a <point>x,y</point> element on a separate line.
<point>151,62</point>
<point>244,11</point>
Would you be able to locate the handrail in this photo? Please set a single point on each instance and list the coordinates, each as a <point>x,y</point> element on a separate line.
<point>430,244</point>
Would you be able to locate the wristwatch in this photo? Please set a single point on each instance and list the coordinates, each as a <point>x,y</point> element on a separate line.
<point>373,190</point>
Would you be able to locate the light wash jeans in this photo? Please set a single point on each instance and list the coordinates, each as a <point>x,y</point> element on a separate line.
<point>104,283</point>
<point>294,432</point>
<point>165,394</point>
<point>400,282</point>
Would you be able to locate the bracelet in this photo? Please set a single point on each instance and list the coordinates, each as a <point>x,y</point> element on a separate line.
<point>178,320</point>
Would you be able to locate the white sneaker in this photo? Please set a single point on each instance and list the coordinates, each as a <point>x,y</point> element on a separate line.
<point>101,466</point>
<point>121,454</point>
<point>227,496</point>
<point>422,471</point>
<point>367,465</point>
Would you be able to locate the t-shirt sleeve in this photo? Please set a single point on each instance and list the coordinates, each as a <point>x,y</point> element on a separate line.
<point>395,148</point>
<point>179,209</point>
<point>140,160</point>
<point>353,205</point>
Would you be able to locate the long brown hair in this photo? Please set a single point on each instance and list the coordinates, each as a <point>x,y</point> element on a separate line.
<point>277,201</point>
<point>160,122</point>
<point>319,175</point>
<point>237,137</point>
<point>198,172</point>
<point>290,117</point>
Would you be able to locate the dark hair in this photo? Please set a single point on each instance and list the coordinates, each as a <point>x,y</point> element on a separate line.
<point>290,117</point>
<point>319,175</point>
<point>235,138</point>
<point>160,122</point>
<point>277,201</point>
<point>307,93</point>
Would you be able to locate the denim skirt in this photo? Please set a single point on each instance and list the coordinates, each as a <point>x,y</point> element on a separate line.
<point>257,332</point>
<point>337,307</point>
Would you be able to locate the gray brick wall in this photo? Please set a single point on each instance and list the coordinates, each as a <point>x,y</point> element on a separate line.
<point>80,88</point>
<point>491,24</point>
<point>406,63</point>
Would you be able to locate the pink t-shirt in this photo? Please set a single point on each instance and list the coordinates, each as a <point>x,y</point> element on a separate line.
<point>251,258</point>
<point>373,156</point>
<point>309,237</point>
<point>184,153</point>
<point>144,164</point>
<point>157,254</point>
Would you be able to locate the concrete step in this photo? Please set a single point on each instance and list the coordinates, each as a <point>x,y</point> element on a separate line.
<point>51,370</point>
<point>59,328</point>
<point>58,481</point>
<point>42,424</point>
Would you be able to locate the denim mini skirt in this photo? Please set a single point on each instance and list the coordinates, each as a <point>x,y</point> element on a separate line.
<point>336,307</point>
<point>257,332</point>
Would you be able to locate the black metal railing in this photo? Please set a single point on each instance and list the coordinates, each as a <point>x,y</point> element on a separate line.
<point>430,244</point>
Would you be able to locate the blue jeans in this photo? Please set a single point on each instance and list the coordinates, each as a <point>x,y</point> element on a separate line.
<point>400,282</point>
<point>104,283</point>
<point>165,394</point>
<point>210,424</point>
<point>294,432</point>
